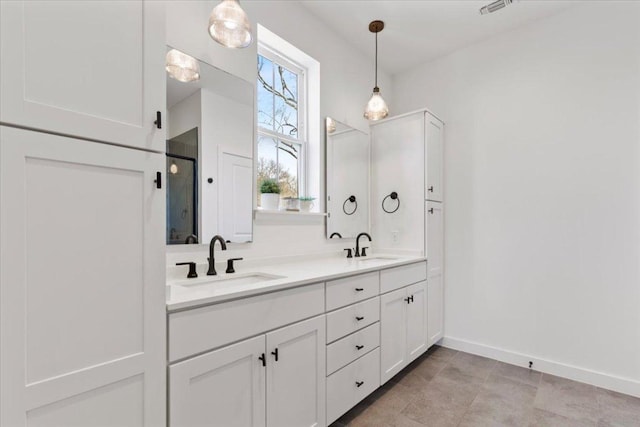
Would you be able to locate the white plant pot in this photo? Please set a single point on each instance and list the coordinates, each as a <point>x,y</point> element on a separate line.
<point>270,201</point>
<point>306,205</point>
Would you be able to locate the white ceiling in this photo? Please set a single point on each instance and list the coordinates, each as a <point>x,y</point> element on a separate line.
<point>418,31</point>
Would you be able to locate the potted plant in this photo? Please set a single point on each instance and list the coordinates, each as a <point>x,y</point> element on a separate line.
<point>270,194</point>
<point>306,203</point>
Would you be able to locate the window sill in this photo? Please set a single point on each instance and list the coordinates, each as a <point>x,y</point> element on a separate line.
<point>272,216</point>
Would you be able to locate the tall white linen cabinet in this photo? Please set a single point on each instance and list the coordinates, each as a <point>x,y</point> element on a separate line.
<point>82,205</point>
<point>407,157</point>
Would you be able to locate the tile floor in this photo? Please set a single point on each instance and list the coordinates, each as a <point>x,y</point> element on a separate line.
<point>449,388</point>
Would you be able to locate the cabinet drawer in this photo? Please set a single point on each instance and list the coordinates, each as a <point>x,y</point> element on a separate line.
<point>398,277</point>
<point>349,348</point>
<point>343,392</point>
<point>201,329</point>
<point>349,290</point>
<point>349,319</point>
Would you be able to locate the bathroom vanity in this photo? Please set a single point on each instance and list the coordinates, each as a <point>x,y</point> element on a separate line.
<point>299,343</point>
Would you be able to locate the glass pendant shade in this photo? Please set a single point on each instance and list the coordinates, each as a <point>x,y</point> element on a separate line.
<point>229,25</point>
<point>376,108</point>
<point>182,67</point>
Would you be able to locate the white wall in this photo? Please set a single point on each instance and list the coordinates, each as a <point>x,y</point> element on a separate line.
<point>345,86</point>
<point>542,191</point>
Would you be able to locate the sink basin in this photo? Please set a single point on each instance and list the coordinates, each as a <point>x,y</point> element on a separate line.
<point>229,280</point>
<point>377,258</point>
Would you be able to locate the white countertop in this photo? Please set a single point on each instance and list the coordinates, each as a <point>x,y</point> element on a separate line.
<point>188,293</point>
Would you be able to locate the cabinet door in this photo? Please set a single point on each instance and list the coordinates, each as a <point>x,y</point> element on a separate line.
<point>82,295</point>
<point>435,271</point>
<point>416,320</point>
<point>393,333</point>
<point>296,370</point>
<point>434,158</point>
<point>84,68</point>
<point>223,388</point>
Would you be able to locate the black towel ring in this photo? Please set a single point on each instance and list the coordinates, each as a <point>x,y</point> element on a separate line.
<point>351,199</point>
<point>393,196</point>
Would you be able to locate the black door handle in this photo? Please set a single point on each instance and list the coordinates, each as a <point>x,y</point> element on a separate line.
<point>408,300</point>
<point>431,211</point>
<point>359,383</point>
<point>359,289</point>
<point>359,318</point>
<point>263,359</point>
<point>275,353</point>
<point>158,121</point>
<point>158,180</point>
<point>359,347</point>
<point>430,189</point>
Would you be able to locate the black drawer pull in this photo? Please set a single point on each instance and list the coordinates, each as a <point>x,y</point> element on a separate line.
<point>359,318</point>
<point>359,347</point>
<point>263,359</point>
<point>359,289</point>
<point>275,353</point>
<point>359,383</point>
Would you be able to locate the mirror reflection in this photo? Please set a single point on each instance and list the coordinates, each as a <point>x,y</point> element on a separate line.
<point>210,123</point>
<point>347,153</point>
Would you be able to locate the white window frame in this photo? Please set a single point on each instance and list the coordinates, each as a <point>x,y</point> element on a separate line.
<point>303,137</point>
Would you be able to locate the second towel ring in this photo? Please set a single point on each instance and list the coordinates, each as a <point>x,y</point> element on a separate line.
<point>393,196</point>
<point>351,199</point>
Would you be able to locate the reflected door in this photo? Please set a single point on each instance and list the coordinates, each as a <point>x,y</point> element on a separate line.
<point>181,198</point>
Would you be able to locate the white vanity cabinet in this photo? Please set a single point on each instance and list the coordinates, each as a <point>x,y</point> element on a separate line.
<point>87,69</point>
<point>403,318</point>
<point>82,301</point>
<point>353,340</point>
<point>274,379</point>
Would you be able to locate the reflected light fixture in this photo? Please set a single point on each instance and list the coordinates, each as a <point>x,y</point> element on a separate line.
<point>173,168</point>
<point>376,108</point>
<point>331,125</point>
<point>229,25</point>
<point>182,67</point>
<point>494,7</point>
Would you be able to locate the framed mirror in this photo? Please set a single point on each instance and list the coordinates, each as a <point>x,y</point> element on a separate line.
<point>347,154</point>
<point>210,134</point>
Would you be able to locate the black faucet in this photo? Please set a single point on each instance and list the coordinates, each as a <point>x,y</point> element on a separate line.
<point>212,260</point>
<point>358,245</point>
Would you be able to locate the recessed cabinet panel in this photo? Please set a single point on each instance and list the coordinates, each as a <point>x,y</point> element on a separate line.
<point>84,68</point>
<point>296,375</point>
<point>416,321</point>
<point>82,295</point>
<point>393,333</point>
<point>346,291</point>
<point>349,319</point>
<point>351,347</point>
<point>351,384</point>
<point>435,271</point>
<point>434,158</point>
<point>223,388</point>
<point>399,277</point>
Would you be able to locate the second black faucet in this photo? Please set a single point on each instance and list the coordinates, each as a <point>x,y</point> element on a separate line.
<point>212,260</point>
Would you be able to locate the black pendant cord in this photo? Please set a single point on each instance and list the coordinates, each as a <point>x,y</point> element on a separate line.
<point>376,83</point>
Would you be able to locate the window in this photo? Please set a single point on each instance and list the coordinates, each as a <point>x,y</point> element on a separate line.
<point>282,135</point>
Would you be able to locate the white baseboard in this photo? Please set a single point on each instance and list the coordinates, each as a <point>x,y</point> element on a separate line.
<point>599,379</point>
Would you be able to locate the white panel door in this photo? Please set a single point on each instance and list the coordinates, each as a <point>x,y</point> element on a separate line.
<point>225,387</point>
<point>236,207</point>
<point>296,371</point>
<point>84,68</point>
<point>435,270</point>
<point>393,333</point>
<point>416,320</point>
<point>434,158</point>
<point>82,295</point>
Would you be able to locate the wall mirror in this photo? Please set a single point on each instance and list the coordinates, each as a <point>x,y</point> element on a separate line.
<point>347,154</point>
<point>210,128</point>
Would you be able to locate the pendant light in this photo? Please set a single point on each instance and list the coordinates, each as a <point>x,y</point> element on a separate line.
<point>173,168</point>
<point>229,25</point>
<point>182,67</point>
<point>376,108</point>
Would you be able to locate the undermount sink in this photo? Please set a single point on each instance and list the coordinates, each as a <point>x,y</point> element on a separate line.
<point>378,258</point>
<point>230,280</point>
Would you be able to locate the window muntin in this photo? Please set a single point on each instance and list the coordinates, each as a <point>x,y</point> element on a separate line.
<point>281,116</point>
